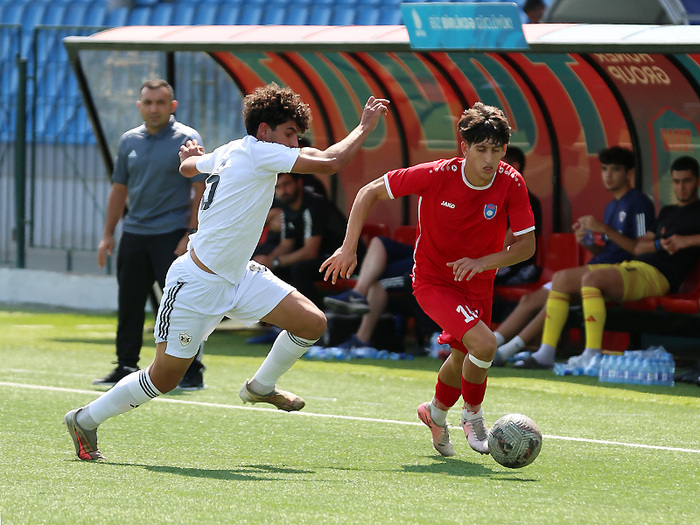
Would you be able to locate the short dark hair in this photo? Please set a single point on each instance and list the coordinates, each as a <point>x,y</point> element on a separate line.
<point>515,154</point>
<point>686,163</point>
<point>532,4</point>
<point>274,105</point>
<point>482,123</point>
<point>617,155</point>
<point>295,176</point>
<point>157,83</point>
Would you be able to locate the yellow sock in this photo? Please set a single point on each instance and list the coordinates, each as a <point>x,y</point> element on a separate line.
<point>557,312</point>
<point>594,314</point>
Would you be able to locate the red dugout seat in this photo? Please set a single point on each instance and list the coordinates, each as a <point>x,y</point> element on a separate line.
<point>562,252</point>
<point>405,234</point>
<point>687,300</point>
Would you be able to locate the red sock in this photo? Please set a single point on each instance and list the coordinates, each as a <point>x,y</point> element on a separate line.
<point>472,393</point>
<point>446,394</point>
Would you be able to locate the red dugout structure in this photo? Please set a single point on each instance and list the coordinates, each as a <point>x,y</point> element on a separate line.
<point>578,88</point>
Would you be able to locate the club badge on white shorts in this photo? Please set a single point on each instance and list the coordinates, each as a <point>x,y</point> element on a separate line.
<point>185,338</point>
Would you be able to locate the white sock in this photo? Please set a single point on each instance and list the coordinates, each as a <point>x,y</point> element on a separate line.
<point>438,416</point>
<point>512,347</point>
<point>499,338</point>
<point>545,355</point>
<point>132,391</point>
<point>468,415</point>
<point>285,351</point>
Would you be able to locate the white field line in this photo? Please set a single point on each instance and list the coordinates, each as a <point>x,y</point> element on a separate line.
<point>334,416</point>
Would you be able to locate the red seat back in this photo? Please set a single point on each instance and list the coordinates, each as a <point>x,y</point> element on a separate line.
<point>405,234</point>
<point>371,230</point>
<point>562,252</point>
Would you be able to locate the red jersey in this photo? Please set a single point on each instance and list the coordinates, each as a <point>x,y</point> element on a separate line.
<point>456,219</point>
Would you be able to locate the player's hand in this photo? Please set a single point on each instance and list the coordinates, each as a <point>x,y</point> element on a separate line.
<point>673,243</point>
<point>106,247</point>
<point>589,222</point>
<point>374,109</point>
<point>466,268</point>
<point>191,148</point>
<point>340,264</point>
<point>579,232</point>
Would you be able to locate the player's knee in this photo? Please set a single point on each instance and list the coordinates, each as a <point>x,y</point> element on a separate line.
<point>596,279</point>
<point>483,348</point>
<point>314,326</point>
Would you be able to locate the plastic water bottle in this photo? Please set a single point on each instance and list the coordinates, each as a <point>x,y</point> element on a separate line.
<point>614,373</point>
<point>588,238</point>
<point>364,352</point>
<point>647,372</point>
<point>341,354</point>
<point>636,372</point>
<point>435,347</point>
<point>624,371</point>
<point>604,367</point>
<point>668,370</point>
<point>593,368</point>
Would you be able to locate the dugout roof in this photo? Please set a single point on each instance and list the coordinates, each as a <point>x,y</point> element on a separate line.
<point>579,88</point>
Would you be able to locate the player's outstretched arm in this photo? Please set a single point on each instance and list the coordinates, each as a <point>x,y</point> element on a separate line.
<point>344,261</point>
<point>335,157</point>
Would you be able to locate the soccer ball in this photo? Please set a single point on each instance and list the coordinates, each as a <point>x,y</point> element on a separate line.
<point>514,441</point>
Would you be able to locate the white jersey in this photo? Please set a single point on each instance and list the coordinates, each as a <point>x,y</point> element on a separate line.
<point>234,207</point>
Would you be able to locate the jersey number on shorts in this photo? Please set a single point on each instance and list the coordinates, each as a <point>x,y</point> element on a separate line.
<point>212,183</point>
<point>467,313</point>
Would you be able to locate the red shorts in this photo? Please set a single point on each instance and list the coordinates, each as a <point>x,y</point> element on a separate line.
<point>453,312</point>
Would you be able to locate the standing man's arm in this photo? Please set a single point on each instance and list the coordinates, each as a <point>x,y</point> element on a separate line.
<point>116,203</point>
<point>197,192</point>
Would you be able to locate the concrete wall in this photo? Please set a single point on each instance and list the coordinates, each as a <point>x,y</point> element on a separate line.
<point>58,290</point>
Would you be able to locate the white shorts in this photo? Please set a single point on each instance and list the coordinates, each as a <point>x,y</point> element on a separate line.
<point>194,303</point>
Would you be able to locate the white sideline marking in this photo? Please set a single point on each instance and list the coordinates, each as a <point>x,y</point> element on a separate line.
<point>334,416</point>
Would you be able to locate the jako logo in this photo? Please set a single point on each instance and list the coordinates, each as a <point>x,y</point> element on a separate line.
<point>447,205</point>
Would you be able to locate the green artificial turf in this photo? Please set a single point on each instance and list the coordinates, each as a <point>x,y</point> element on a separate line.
<point>355,454</point>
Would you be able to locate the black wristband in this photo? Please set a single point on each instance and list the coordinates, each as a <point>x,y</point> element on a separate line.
<point>191,231</point>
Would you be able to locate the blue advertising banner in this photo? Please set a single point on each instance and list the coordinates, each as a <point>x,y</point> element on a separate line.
<point>475,26</point>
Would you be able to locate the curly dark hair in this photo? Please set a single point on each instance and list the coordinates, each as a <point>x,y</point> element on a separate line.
<point>482,123</point>
<point>274,105</point>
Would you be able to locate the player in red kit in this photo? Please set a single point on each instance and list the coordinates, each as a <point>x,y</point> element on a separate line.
<point>465,206</point>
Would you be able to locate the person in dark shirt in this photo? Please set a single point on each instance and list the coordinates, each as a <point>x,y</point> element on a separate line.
<point>312,228</point>
<point>629,216</point>
<point>525,271</point>
<point>662,260</point>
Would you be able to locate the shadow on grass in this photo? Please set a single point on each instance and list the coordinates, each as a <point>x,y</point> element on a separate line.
<point>243,473</point>
<point>84,341</point>
<point>461,468</point>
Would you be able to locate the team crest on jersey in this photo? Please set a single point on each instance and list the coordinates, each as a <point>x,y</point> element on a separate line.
<point>185,338</point>
<point>490,211</point>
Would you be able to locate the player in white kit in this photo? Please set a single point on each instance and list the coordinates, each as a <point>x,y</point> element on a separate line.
<point>216,277</point>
